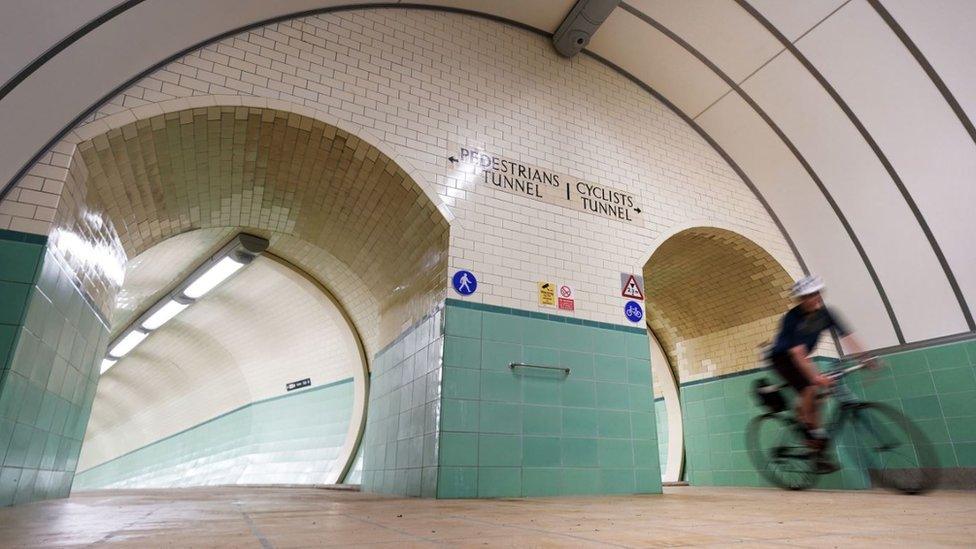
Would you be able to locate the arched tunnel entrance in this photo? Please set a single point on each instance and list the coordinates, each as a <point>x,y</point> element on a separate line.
<point>713,297</point>
<point>357,251</point>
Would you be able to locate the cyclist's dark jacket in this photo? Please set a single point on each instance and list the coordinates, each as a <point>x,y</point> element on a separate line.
<point>800,328</point>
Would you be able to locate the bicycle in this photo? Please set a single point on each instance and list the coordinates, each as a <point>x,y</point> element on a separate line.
<point>895,452</point>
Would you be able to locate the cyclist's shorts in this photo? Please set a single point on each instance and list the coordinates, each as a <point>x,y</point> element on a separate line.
<point>789,370</point>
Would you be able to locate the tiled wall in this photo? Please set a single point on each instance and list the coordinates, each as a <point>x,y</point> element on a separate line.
<point>290,439</point>
<point>51,341</point>
<point>661,422</point>
<point>404,80</point>
<point>530,432</point>
<point>934,386</point>
<point>400,455</point>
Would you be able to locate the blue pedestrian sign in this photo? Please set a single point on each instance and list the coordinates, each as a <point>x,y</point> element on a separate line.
<point>633,311</point>
<point>464,282</point>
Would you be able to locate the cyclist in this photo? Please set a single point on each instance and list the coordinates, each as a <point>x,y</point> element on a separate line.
<point>790,355</point>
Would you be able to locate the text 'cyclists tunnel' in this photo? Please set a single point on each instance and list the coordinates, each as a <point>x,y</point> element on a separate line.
<point>356,252</point>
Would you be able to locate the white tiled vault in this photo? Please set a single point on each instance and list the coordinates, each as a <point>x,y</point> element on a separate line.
<point>411,84</point>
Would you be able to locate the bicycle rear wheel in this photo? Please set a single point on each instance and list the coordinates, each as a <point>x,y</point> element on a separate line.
<point>779,452</point>
<point>899,455</point>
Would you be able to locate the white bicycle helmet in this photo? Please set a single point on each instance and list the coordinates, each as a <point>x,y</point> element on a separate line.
<point>807,285</point>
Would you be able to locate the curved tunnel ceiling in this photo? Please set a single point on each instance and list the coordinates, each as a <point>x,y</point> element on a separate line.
<point>851,119</point>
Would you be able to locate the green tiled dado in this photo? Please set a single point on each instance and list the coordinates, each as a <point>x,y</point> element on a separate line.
<point>249,445</point>
<point>401,445</point>
<point>530,432</point>
<point>50,338</point>
<point>934,386</point>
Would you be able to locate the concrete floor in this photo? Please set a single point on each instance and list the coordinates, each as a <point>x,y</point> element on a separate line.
<point>305,517</point>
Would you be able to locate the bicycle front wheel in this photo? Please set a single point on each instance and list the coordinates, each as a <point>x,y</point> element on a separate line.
<point>899,455</point>
<point>779,452</point>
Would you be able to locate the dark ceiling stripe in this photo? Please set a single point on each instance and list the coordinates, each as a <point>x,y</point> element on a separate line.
<point>953,283</point>
<point>929,69</point>
<point>63,44</point>
<point>789,144</point>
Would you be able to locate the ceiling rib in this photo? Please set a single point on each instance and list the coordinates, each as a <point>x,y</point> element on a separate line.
<point>789,144</point>
<point>882,157</point>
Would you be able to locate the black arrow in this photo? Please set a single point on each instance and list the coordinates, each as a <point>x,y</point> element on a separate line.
<point>637,210</point>
<point>452,159</point>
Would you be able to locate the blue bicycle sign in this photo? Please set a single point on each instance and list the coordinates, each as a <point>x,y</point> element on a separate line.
<point>633,311</point>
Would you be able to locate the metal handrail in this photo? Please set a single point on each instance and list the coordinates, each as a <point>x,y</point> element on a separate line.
<point>514,365</point>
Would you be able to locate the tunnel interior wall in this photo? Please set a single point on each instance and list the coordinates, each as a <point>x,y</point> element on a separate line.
<point>294,438</point>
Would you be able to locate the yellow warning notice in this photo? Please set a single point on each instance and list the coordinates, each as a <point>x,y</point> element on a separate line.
<point>547,294</point>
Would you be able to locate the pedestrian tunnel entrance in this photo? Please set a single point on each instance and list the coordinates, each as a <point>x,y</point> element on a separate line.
<point>263,380</point>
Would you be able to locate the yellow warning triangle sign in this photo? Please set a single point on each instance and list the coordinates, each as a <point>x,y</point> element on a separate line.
<point>632,289</point>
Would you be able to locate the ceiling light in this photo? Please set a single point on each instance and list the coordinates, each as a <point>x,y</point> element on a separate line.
<point>163,315</point>
<point>213,276</point>
<point>127,343</point>
<point>107,363</point>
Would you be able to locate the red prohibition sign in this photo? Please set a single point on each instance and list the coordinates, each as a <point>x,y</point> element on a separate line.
<point>565,291</point>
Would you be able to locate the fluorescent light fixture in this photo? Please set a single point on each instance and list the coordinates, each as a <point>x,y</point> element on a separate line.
<point>127,343</point>
<point>238,252</point>
<point>107,363</point>
<point>213,276</point>
<point>163,315</point>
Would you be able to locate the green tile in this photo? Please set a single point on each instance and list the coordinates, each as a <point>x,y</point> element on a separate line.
<point>580,482</point>
<point>461,383</point>
<point>502,327</point>
<point>540,356</point>
<point>497,356</point>
<point>13,302</point>
<point>648,481</point>
<point>579,392</point>
<point>9,477</point>
<point>935,430</point>
<point>18,261</point>
<point>962,429</point>
<point>638,346</point>
<point>643,426</point>
<point>646,454</point>
<point>542,388</point>
<point>542,420</point>
<point>8,334</point>
<point>459,415</point>
<point>502,418</point>
<point>541,451</point>
<point>926,407</point>
<point>458,449</point>
<point>457,482</point>
<point>615,452</point>
<point>499,450</point>
<point>501,386</point>
<point>966,454</point>
<point>540,482</point>
<point>958,404</point>
<point>947,356</point>
<point>908,363</point>
<point>915,385</point>
<point>618,481</point>
<point>639,372</point>
<point>610,368</point>
<point>607,342</point>
<point>463,322</point>
<point>954,380</point>
<point>641,398</point>
<point>613,424</point>
<point>580,422</point>
<point>579,452</point>
<point>462,352</point>
<point>499,482</point>
<point>612,396</point>
<point>580,364</point>
<point>880,389</point>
